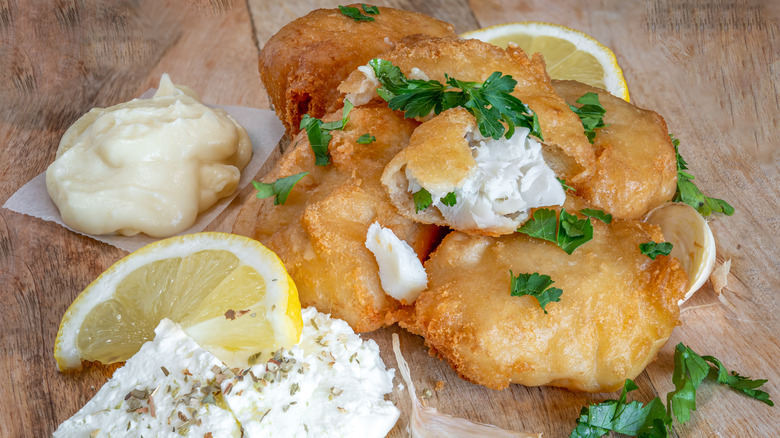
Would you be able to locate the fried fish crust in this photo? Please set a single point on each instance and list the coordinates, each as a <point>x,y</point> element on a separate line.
<point>636,165</point>
<point>568,150</point>
<point>617,309</point>
<point>303,63</point>
<point>320,232</point>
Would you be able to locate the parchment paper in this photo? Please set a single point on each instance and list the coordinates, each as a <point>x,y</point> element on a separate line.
<point>264,129</point>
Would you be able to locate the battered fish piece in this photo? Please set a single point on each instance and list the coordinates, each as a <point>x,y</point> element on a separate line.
<point>320,232</point>
<point>617,309</point>
<point>493,183</point>
<point>566,147</point>
<point>303,63</point>
<point>636,166</point>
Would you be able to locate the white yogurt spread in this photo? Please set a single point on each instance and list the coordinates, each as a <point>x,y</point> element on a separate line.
<point>510,178</point>
<point>190,369</point>
<point>148,165</point>
<point>331,384</point>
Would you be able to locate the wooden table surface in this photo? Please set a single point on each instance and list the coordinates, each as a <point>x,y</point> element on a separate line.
<point>710,67</point>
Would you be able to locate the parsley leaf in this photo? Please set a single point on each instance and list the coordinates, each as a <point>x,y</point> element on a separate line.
<point>537,286</point>
<point>573,232</point>
<point>688,193</point>
<point>543,225</point>
<point>422,200</point>
<point>632,419</point>
<point>689,371</point>
<point>449,199</point>
<point>490,102</point>
<point>366,139</point>
<point>568,231</point>
<point>598,214</point>
<point>591,114</point>
<point>653,250</point>
<point>737,382</point>
<point>279,189</point>
<point>565,186</point>
<point>370,9</point>
<point>354,13</point>
<point>319,136</point>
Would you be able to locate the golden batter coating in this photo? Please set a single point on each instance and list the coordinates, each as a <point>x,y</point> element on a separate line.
<point>474,60</point>
<point>636,167</point>
<point>320,232</point>
<point>303,63</point>
<point>617,309</point>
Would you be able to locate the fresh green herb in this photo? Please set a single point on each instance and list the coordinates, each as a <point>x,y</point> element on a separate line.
<point>537,286</point>
<point>632,419</point>
<point>688,193</point>
<point>653,420</point>
<point>690,369</point>
<point>653,250</point>
<point>354,13</point>
<point>373,10</point>
<point>543,225</point>
<point>319,136</point>
<point>573,232</point>
<point>591,114</point>
<point>737,382</point>
<point>598,214</point>
<point>568,232</point>
<point>449,199</point>
<point>566,187</point>
<point>279,189</point>
<point>422,200</point>
<point>491,102</point>
<point>366,139</point>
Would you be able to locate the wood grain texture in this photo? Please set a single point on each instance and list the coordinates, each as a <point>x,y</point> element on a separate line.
<point>710,67</point>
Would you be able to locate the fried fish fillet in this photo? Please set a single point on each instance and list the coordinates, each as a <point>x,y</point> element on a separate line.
<point>494,184</point>
<point>567,148</point>
<point>320,232</point>
<point>636,166</point>
<point>303,63</point>
<point>617,309</point>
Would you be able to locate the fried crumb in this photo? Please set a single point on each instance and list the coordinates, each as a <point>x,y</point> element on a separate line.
<point>439,385</point>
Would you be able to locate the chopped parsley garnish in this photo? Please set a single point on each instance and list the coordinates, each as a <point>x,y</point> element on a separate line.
<point>491,102</point>
<point>653,250</point>
<point>654,420</point>
<point>449,199</point>
<point>373,10</point>
<point>690,370</point>
<point>542,225</point>
<point>573,232</point>
<point>355,14</point>
<point>366,139</point>
<point>537,286</point>
<point>632,419</point>
<point>422,200</point>
<point>566,187</point>
<point>598,214</point>
<point>279,189</point>
<point>319,136</point>
<point>688,193</point>
<point>591,114</point>
<point>568,231</point>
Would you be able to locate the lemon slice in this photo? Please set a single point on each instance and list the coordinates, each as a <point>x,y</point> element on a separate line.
<point>230,293</point>
<point>692,240</point>
<point>568,53</point>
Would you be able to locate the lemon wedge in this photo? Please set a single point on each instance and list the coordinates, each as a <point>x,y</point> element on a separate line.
<point>692,240</point>
<point>229,293</point>
<point>568,53</point>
